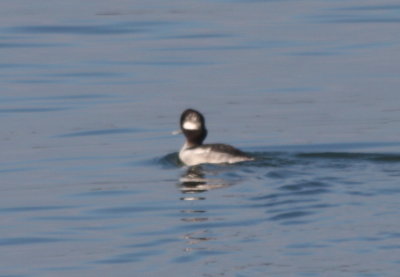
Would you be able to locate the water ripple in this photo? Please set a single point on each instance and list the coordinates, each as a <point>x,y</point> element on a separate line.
<point>154,243</point>
<point>71,97</point>
<point>32,209</point>
<point>198,254</point>
<point>290,215</point>
<point>110,29</point>
<point>32,110</point>
<point>225,224</point>
<point>387,7</point>
<point>30,45</point>
<point>130,257</point>
<point>281,160</point>
<point>314,185</point>
<point>101,132</point>
<point>362,14</point>
<point>377,157</point>
<point>29,240</point>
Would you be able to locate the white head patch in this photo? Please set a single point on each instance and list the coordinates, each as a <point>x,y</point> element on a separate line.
<point>190,125</point>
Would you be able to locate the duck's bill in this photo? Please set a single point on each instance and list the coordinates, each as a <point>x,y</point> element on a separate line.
<point>177,132</point>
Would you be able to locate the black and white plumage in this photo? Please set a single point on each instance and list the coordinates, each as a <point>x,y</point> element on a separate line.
<point>194,152</point>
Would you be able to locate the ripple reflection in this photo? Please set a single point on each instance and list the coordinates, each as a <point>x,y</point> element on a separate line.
<point>194,180</point>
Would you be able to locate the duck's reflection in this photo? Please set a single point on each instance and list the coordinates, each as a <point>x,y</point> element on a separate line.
<point>197,237</point>
<point>194,181</point>
<point>193,184</point>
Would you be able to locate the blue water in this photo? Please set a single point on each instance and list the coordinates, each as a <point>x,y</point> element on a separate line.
<point>90,181</point>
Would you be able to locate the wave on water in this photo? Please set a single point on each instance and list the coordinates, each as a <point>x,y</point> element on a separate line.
<point>291,164</point>
<point>282,159</point>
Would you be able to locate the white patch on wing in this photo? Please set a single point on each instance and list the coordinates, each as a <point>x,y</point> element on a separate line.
<point>189,125</point>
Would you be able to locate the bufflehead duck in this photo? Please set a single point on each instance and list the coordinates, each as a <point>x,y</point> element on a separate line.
<point>194,152</point>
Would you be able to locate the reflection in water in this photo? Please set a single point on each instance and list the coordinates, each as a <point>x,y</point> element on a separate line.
<point>192,183</point>
<point>195,238</point>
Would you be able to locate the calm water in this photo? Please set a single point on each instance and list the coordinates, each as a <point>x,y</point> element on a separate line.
<point>90,184</point>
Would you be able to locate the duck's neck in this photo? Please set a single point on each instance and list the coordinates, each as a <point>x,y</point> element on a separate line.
<point>194,138</point>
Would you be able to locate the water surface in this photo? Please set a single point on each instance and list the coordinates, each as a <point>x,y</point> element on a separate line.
<point>90,180</point>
